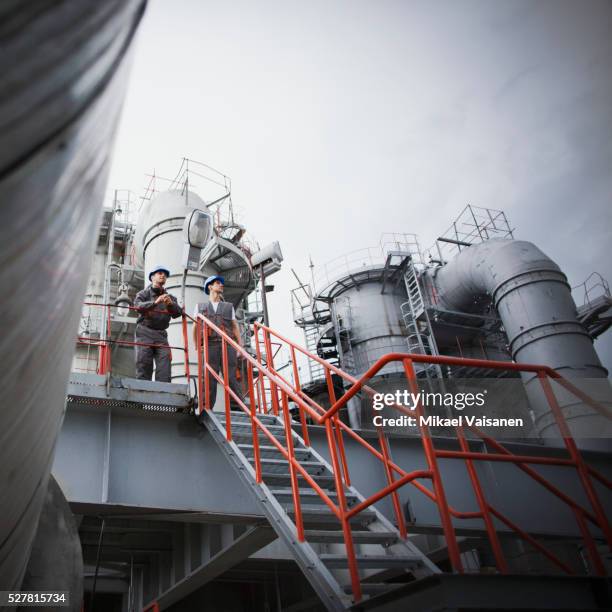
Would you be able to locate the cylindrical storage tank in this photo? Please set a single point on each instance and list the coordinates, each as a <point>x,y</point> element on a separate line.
<point>374,324</point>
<point>159,241</point>
<point>368,324</point>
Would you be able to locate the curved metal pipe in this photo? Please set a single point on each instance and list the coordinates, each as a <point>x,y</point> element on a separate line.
<point>534,302</point>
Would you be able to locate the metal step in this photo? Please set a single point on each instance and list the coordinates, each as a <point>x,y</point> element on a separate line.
<point>334,561</point>
<point>243,435</point>
<point>241,417</point>
<point>269,451</point>
<point>242,426</point>
<point>322,536</point>
<point>312,497</point>
<point>281,466</point>
<point>320,516</point>
<point>283,480</point>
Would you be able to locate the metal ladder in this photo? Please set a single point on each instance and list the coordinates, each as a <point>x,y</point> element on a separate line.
<point>344,325</point>
<point>419,340</point>
<point>415,298</point>
<point>381,553</point>
<point>348,362</point>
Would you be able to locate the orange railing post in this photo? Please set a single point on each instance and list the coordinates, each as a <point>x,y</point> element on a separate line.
<point>482,504</point>
<point>226,395</point>
<point>338,433</point>
<point>262,388</point>
<point>344,519</point>
<point>270,366</point>
<point>583,474</point>
<point>298,387</point>
<point>258,477</point>
<point>295,490</point>
<point>206,365</point>
<point>260,408</point>
<point>399,515</point>
<point>445,517</point>
<point>186,348</point>
<point>200,373</point>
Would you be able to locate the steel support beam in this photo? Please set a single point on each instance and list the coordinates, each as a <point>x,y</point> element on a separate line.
<point>239,550</point>
<point>114,458</point>
<point>129,462</point>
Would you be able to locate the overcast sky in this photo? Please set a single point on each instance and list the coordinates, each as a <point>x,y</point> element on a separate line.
<point>340,120</point>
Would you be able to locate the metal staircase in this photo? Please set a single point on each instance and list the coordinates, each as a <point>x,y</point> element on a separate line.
<point>381,553</point>
<point>352,555</point>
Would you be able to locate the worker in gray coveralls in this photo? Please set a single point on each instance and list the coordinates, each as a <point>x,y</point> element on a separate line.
<point>155,307</point>
<point>223,315</point>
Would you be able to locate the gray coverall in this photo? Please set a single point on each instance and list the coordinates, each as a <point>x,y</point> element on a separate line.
<point>151,328</point>
<point>223,319</point>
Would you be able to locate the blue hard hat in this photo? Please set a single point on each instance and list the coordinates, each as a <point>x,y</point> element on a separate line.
<point>159,269</point>
<point>212,279</point>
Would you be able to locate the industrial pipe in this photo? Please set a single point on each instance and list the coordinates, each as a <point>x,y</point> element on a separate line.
<point>534,302</point>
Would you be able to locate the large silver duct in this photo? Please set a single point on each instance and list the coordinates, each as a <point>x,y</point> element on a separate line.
<point>534,302</point>
<point>63,71</point>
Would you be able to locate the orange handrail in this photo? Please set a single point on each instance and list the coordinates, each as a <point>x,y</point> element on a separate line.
<point>104,344</point>
<point>335,429</point>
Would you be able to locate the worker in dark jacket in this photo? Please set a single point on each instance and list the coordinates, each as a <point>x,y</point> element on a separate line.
<point>155,307</point>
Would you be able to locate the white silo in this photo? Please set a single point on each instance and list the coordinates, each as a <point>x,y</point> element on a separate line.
<point>159,240</point>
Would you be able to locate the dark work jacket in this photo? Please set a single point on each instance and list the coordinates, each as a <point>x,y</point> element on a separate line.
<point>155,316</point>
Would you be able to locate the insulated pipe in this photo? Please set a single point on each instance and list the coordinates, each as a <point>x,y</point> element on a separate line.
<point>534,302</point>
